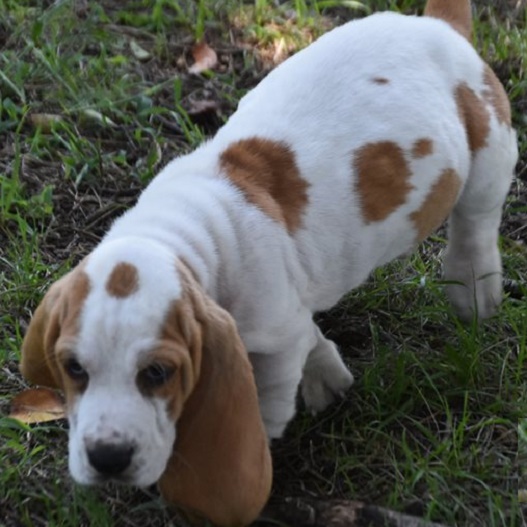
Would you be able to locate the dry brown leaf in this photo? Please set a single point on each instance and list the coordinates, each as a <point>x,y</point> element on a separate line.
<point>37,405</point>
<point>203,106</point>
<point>44,121</point>
<point>204,56</point>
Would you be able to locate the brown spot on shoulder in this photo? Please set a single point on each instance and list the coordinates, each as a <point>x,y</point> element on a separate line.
<point>380,80</point>
<point>473,115</point>
<point>496,96</point>
<point>382,179</point>
<point>123,280</point>
<point>266,173</point>
<point>422,148</point>
<point>438,204</point>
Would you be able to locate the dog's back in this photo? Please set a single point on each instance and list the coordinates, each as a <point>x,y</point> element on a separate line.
<point>376,112</point>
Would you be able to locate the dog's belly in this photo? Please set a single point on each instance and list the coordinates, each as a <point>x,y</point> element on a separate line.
<point>341,264</point>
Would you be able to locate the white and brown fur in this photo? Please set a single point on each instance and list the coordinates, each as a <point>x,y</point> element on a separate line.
<point>345,157</point>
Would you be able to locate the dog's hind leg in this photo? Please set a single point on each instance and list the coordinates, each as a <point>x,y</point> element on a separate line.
<point>472,262</point>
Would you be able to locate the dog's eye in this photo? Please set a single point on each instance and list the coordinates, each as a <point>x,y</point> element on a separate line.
<point>155,375</point>
<point>75,370</point>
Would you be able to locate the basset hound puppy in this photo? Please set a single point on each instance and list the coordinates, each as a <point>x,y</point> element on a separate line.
<point>180,342</point>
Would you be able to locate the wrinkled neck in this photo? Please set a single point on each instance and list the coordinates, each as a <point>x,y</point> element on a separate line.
<point>194,215</point>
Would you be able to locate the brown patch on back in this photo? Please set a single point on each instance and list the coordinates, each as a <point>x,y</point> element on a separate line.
<point>266,173</point>
<point>473,115</point>
<point>382,179</point>
<point>457,13</point>
<point>496,96</point>
<point>422,148</point>
<point>380,80</point>
<point>123,280</point>
<point>437,204</point>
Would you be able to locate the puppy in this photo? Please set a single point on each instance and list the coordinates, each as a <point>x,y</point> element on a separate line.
<point>345,157</point>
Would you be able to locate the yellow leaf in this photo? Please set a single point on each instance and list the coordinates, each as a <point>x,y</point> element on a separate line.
<point>37,405</point>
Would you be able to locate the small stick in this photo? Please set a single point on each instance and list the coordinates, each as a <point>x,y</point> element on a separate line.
<point>340,513</point>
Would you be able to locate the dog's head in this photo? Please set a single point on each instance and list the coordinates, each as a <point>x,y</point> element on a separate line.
<point>157,383</point>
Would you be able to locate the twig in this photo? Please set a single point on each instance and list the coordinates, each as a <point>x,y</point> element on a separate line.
<point>340,513</point>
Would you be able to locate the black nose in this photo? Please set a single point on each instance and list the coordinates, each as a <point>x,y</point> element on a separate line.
<point>110,459</point>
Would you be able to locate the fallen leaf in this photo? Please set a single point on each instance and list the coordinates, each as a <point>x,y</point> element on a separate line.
<point>44,121</point>
<point>37,405</point>
<point>138,52</point>
<point>205,113</point>
<point>96,117</point>
<point>203,106</point>
<point>204,56</point>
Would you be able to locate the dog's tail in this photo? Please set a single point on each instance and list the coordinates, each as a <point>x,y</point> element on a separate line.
<point>457,13</point>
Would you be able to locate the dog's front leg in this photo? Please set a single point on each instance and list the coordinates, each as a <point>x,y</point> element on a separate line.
<point>278,375</point>
<point>325,377</point>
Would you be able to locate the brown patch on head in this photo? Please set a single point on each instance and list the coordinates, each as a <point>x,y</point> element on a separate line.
<point>496,96</point>
<point>438,204</point>
<point>123,280</point>
<point>382,179</point>
<point>422,148</point>
<point>474,116</point>
<point>68,327</point>
<point>266,173</point>
<point>380,80</point>
<point>179,351</point>
<point>172,359</point>
<point>457,13</point>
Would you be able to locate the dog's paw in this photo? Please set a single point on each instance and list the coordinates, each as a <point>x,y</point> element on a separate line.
<point>475,287</point>
<point>323,385</point>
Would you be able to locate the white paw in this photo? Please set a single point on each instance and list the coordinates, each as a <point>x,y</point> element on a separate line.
<point>476,280</point>
<point>322,385</point>
<point>482,300</point>
<point>474,292</point>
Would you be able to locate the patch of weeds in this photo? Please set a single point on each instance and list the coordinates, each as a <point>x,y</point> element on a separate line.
<point>434,408</point>
<point>522,460</point>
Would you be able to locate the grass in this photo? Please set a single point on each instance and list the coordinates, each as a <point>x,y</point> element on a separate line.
<point>94,99</point>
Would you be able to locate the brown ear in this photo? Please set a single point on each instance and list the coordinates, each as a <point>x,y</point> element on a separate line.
<point>37,363</point>
<point>221,466</point>
<point>57,314</point>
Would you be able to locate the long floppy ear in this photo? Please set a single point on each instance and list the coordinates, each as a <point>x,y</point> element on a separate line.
<point>57,314</point>
<point>221,466</point>
<point>37,362</point>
